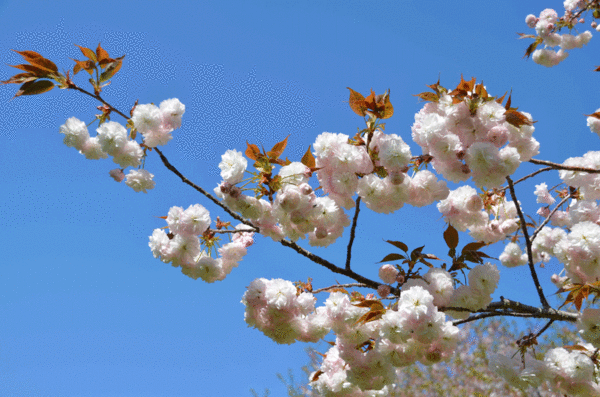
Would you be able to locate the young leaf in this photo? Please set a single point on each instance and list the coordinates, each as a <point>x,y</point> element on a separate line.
<point>474,246</point>
<point>398,244</point>
<point>35,88</point>
<point>88,66</point>
<point>111,69</point>
<point>392,257</point>
<point>516,118</point>
<point>357,102</point>
<point>101,54</point>
<point>37,60</point>
<point>252,152</point>
<point>89,54</point>
<point>278,148</point>
<point>38,71</point>
<point>308,159</point>
<point>428,96</point>
<point>451,237</point>
<point>20,78</point>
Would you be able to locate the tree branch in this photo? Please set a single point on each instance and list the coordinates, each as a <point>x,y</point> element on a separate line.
<point>528,244</point>
<point>545,222</point>
<point>506,307</point>
<point>564,167</point>
<point>352,233</point>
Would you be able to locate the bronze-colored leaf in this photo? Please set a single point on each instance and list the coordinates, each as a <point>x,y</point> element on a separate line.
<point>457,266</point>
<point>501,99</point>
<point>595,115</point>
<point>398,244</point>
<point>532,47</point>
<point>357,102</point>
<point>371,315</point>
<point>451,237</point>
<point>38,71</point>
<point>88,66</point>
<point>101,54</point>
<point>315,377</point>
<point>392,257</point>
<point>374,304</point>
<point>481,91</point>
<point>388,109</point>
<point>278,148</point>
<point>20,78</point>
<point>428,96</point>
<point>466,85</point>
<point>252,151</point>
<point>89,54</point>
<point>37,60</point>
<point>516,118</point>
<point>508,101</point>
<point>597,69</point>
<point>474,246</point>
<point>308,159</point>
<point>35,88</point>
<point>111,69</point>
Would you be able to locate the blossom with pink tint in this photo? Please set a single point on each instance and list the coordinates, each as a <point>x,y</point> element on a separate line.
<point>117,174</point>
<point>140,180</point>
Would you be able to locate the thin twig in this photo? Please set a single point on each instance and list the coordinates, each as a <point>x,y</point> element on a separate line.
<point>349,285</point>
<point>544,328</point>
<point>174,170</point>
<point>545,222</point>
<point>529,176</point>
<point>528,244</point>
<point>352,233</point>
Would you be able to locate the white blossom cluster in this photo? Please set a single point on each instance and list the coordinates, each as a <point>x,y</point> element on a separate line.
<point>570,372</point>
<point>483,145</point>
<point>413,331</point>
<point>181,247</point>
<point>112,139</point>
<point>464,209</point>
<point>546,28</point>
<point>296,211</point>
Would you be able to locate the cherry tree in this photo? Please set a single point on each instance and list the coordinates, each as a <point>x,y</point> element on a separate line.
<point>414,311</point>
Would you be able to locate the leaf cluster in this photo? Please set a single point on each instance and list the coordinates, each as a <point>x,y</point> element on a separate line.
<point>474,95</point>
<point>39,68</point>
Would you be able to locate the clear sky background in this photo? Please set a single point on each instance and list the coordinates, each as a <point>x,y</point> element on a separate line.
<point>85,310</point>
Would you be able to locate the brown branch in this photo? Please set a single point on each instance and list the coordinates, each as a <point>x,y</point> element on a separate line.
<point>564,167</point>
<point>528,244</point>
<point>545,222</point>
<point>349,285</point>
<point>212,198</point>
<point>352,233</point>
<point>529,176</point>
<point>506,307</point>
<point>98,97</point>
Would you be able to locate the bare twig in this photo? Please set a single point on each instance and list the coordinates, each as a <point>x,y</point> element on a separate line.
<point>529,176</point>
<point>507,307</point>
<point>545,222</point>
<point>349,285</point>
<point>564,167</point>
<point>352,233</point>
<point>534,276</point>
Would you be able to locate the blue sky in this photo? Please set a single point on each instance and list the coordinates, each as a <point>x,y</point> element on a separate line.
<point>85,310</point>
